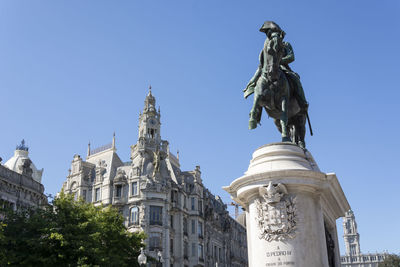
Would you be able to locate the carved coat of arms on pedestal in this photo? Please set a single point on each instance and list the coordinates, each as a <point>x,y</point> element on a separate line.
<point>276,213</point>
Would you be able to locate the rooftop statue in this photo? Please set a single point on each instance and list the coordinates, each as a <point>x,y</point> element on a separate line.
<point>278,89</point>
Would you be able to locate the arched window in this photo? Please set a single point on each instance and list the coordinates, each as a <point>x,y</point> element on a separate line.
<point>134,215</point>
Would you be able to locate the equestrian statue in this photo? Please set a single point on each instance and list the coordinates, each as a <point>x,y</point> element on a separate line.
<point>278,89</point>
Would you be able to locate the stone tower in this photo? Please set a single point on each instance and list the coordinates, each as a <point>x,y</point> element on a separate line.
<point>351,235</point>
<point>149,124</point>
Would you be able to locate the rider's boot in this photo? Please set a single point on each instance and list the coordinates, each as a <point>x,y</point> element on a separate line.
<point>253,118</point>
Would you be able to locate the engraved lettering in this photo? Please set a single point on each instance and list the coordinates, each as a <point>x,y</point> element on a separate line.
<point>279,253</point>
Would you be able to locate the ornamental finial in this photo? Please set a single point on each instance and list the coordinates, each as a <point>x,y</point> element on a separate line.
<point>113,141</point>
<point>22,146</point>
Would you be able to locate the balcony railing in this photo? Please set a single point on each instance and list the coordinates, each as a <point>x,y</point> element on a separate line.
<point>152,222</point>
<point>100,149</point>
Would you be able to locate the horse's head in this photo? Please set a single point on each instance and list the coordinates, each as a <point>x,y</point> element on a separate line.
<point>275,50</point>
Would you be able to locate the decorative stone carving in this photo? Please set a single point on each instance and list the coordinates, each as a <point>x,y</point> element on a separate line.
<point>100,170</point>
<point>276,213</point>
<point>25,167</point>
<point>142,214</point>
<point>120,176</point>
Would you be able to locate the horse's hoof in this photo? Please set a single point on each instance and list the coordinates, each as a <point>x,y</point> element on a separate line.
<point>286,139</point>
<point>302,145</point>
<point>252,124</point>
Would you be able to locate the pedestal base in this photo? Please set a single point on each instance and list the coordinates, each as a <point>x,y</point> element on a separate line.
<point>291,208</point>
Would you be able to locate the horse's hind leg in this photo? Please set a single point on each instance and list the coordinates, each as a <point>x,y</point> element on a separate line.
<point>284,121</point>
<point>301,130</point>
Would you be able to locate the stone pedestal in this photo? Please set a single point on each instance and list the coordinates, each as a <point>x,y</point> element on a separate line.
<point>291,208</point>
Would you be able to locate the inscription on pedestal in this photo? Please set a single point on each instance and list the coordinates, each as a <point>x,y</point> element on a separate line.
<point>279,258</point>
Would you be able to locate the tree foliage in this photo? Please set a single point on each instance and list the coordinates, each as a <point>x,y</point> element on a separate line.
<point>391,260</point>
<point>67,233</point>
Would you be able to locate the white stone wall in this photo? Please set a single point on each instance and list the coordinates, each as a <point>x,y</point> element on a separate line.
<point>291,208</point>
<point>18,190</point>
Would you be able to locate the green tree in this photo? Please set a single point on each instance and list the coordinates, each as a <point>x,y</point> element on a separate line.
<point>391,260</point>
<point>67,233</point>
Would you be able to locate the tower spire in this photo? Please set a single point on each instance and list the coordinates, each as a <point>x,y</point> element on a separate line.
<point>88,149</point>
<point>113,141</point>
<point>149,122</point>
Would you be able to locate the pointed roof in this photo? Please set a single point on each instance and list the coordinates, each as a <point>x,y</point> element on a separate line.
<point>149,102</point>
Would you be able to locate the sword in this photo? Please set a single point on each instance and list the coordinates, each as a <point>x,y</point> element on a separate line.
<point>309,123</point>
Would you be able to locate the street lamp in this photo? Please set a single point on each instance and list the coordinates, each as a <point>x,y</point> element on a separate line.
<point>142,259</point>
<point>160,258</point>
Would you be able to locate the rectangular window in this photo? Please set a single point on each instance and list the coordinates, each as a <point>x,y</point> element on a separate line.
<point>185,249</point>
<point>200,229</point>
<point>200,207</point>
<point>193,226</point>
<point>184,202</point>
<point>220,254</point>
<point>84,195</point>
<point>171,221</point>
<point>155,242</point>
<point>185,226</point>
<point>201,255</point>
<point>171,246</point>
<point>173,196</point>
<point>134,190</point>
<point>352,249</point>
<point>155,215</point>
<point>118,191</point>
<point>193,249</point>
<point>97,194</point>
<point>192,200</point>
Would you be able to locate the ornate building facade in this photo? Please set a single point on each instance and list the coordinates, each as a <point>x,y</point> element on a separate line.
<point>354,257</point>
<point>183,221</point>
<point>20,181</point>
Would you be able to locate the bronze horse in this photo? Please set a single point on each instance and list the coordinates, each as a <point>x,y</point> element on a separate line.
<point>274,91</point>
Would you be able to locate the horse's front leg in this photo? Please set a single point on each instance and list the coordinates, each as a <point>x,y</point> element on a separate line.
<point>284,120</point>
<point>255,112</point>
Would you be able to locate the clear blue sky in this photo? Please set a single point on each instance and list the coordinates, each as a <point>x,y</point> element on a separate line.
<point>74,71</point>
